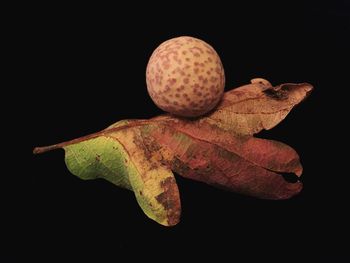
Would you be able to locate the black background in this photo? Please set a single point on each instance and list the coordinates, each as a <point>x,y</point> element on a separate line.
<point>83,68</point>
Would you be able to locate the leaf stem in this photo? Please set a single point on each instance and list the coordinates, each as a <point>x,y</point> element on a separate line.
<point>43,149</point>
<point>135,123</point>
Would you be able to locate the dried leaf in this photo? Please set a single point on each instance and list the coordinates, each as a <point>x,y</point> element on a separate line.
<point>242,164</point>
<point>217,149</point>
<point>254,107</point>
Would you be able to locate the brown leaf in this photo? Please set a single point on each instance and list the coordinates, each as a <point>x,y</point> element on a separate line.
<point>251,108</point>
<point>241,164</point>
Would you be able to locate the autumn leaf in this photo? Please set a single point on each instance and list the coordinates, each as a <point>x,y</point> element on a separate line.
<point>120,161</point>
<point>218,149</point>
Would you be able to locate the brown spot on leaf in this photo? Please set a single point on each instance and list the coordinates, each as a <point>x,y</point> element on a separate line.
<point>170,200</point>
<point>278,94</point>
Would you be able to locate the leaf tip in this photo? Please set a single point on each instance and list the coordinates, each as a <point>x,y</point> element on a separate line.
<point>291,189</point>
<point>308,89</point>
<point>299,171</point>
<point>169,223</point>
<point>261,81</point>
<point>36,150</point>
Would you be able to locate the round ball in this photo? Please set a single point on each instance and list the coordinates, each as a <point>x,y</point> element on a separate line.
<point>185,77</point>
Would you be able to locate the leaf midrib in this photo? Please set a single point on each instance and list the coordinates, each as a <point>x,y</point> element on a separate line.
<point>223,147</point>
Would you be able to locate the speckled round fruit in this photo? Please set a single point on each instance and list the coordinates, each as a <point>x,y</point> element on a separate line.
<point>185,77</point>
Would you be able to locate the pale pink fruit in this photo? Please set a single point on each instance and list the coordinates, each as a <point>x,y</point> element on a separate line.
<point>185,77</point>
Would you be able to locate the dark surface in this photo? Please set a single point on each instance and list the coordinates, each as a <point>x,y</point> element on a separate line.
<point>84,69</point>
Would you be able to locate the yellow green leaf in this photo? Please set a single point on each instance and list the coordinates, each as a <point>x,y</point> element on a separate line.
<point>135,169</point>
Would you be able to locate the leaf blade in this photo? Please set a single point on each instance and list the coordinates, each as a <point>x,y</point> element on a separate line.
<point>251,108</point>
<point>98,158</point>
<point>106,157</point>
<point>202,160</point>
<point>154,184</point>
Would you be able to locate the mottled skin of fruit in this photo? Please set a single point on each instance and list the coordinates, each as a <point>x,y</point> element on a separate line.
<point>185,77</point>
